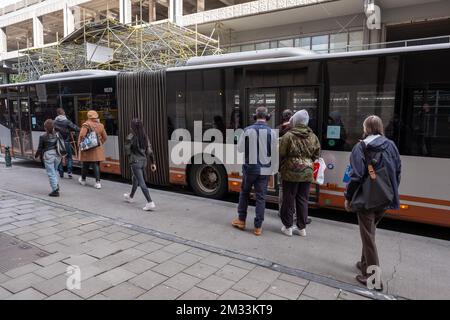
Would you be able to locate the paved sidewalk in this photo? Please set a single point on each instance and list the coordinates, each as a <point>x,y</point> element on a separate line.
<point>118,262</point>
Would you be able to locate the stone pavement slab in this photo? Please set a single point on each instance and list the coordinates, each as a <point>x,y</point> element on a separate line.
<point>117,262</point>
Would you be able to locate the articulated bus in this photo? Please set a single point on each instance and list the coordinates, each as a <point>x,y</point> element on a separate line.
<point>408,87</point>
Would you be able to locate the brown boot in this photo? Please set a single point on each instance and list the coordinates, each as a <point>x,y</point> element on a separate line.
<point>258,231</point>
<point>238,224</point>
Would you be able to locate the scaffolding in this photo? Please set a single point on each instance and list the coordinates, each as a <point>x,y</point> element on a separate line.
<point>111,45</point>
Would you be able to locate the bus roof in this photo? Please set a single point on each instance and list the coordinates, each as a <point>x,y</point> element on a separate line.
<point>69,75</point>
<point>230,59</point>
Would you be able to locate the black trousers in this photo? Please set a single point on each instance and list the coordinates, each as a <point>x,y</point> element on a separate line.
<point>85,168</point>
<point>368,222</point>
<point>295,199</point>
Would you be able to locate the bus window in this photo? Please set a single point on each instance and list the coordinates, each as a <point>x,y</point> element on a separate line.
<point>429,131</point>
<point>104,102</point>
<point>262,98</point>
<point>358,88</point>
<point>300,98</point>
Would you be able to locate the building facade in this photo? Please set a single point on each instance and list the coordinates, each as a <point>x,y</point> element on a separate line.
<point>240,25</point>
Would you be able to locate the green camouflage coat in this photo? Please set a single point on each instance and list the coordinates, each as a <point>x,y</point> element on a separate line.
<point>299,148</point>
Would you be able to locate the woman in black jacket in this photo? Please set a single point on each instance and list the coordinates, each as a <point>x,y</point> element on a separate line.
<point>48,153</point>
<point>138,149</point>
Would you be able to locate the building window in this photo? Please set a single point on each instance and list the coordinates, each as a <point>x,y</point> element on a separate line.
<point>304,43</point>
<point>355,40</point>
<point>248,47</point>
<point>338,42</point>
<point>263,45</point>
<point>320,43</point>
<point>286,43</point>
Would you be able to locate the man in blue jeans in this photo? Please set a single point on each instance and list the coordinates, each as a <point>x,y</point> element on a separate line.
<point>64,127</point>
<point>258,142</point>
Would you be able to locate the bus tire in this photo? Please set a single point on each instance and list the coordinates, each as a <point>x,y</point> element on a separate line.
<point>208,180</point>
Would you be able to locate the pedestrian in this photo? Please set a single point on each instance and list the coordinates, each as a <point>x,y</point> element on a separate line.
<point>381,152</point>
<point>282,129</point>
<point>299,148</point>
<point>285,124</point>
<point>47,151</point>
<point>258,142</point>
<point>138,149</point>
<point>92,157</point>
<point>65,127</point>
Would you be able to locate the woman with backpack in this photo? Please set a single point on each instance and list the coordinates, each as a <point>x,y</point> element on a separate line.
<point>47,151</point>
<point>94,155</point>
<point>138,149</point>
<point>377,158</point>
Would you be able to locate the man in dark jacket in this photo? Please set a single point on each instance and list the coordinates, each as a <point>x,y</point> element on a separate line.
<point>258,167</point>
<point>386,155</point>
<point>64,127</point>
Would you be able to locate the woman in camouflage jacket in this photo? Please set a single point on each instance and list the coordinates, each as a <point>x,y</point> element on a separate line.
<point>299,148</point>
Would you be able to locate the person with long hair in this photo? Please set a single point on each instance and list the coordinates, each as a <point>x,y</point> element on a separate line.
<point>376,150</point>
<point>47,151</point>
<point>138,149</point>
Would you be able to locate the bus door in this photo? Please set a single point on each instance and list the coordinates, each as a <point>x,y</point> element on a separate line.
<point>76,107</point>
<point>298,98</point>
<point>269,98</point>
<point>20,127</point>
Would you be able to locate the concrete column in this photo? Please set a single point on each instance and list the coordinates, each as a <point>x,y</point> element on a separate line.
<point>3,41</point>
<point>69,20</point>
<point>38,32</point>
<point>200,5</point>
<point>152,10</point>
<point>172,9</point>
<point>125,11</point>
<point>175,10</point>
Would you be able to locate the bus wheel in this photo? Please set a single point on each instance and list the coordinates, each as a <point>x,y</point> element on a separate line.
<point>208,180</point>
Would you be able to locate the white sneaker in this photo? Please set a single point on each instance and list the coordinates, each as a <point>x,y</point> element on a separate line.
<point>287,231</point>
<point>127,198</point>
<point>301,233</point>
<point>81,181</point>
<point>149,206</point>
<point>98,185</point>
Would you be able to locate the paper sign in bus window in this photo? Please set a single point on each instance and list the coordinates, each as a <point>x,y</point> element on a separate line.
<point>333,132</point>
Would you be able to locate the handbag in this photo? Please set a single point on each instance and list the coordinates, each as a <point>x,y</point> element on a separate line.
<point>90,141</point>
<point>375,193</point>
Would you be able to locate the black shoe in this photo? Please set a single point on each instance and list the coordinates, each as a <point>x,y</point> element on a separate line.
<point>61,176</point>
<point>70,175</point>
<point>54,194</point>
<point>308,220</point>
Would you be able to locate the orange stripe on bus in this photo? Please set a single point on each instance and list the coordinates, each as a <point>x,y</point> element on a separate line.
<point>402,197</point>
<point>415,213</point>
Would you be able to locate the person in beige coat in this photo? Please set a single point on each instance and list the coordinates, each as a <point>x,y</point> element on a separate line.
<point>92,157</point>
